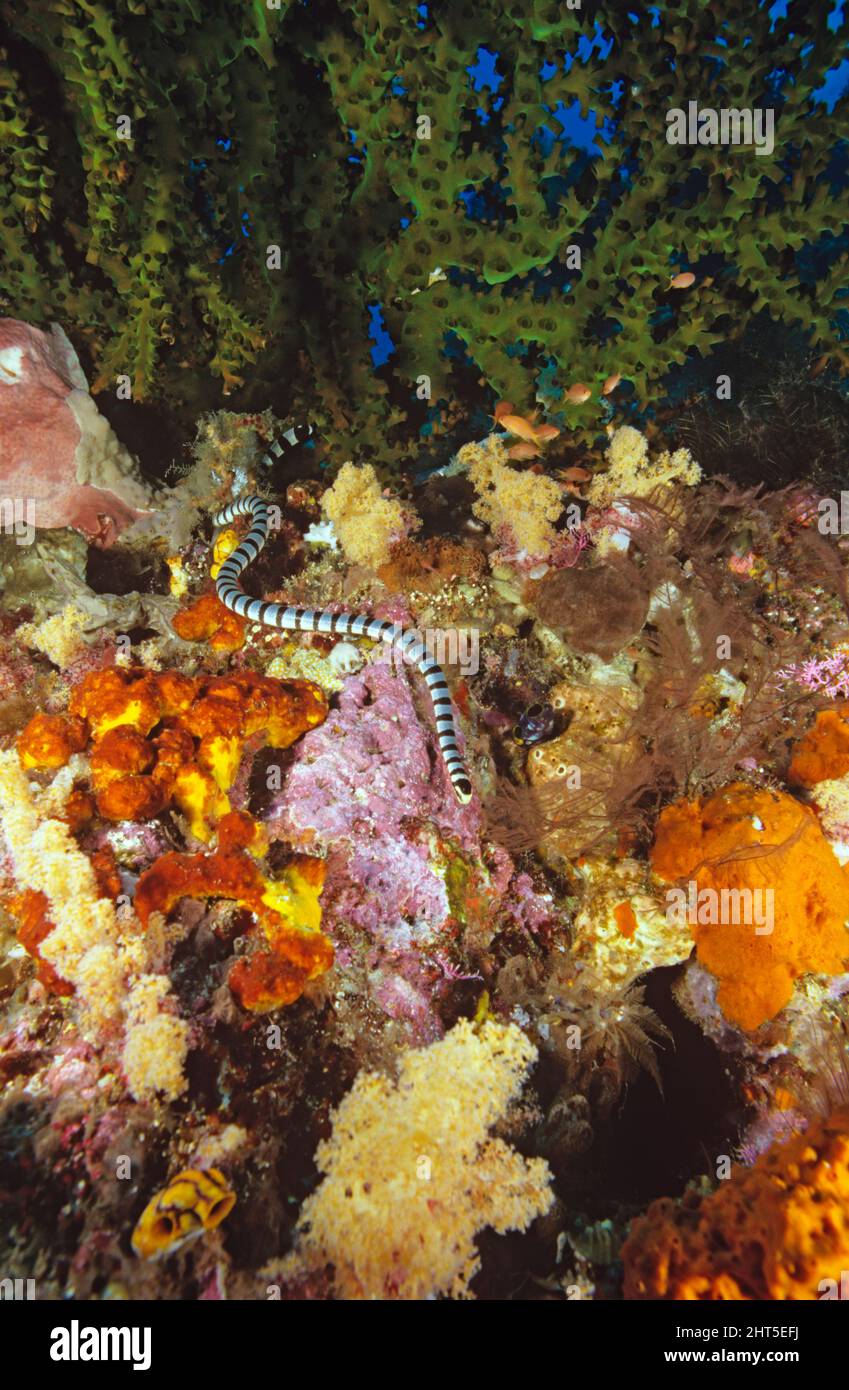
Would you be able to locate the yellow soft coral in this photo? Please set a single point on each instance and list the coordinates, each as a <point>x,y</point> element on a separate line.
<point>524,505</point>
<point>365,521</point>
<point>88,947</point>
<point>411,1174</point>
<point>630,471</point>
<point>60,637</point>
<point>156,1041</point>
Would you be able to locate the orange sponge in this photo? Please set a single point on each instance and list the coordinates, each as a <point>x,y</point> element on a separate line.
<point>161,737</point>
<point>287,909</point>
<point>824,751</point>
<point>208,619</point>
<point>765,841</point>
<point>778,1230</point>
<point>48,740</point>
<point>111,697</point>
<point>118,764</point>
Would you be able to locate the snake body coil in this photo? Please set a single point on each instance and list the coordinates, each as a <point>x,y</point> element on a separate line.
<point>293,619</point>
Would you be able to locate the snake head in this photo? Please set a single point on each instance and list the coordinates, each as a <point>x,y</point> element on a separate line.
<point>463,790</point>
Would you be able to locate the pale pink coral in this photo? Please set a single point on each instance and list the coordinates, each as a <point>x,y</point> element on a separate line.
<point>370,768</point>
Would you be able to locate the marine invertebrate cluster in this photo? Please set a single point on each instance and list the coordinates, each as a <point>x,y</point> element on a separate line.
<point>102,957</point>
<point>365,522</point>
<point>158,740</point>
<point>750,849</point>
<point>777,1230</point>
<point>520,508</point>
<point>161,737</point>
<point>411,1172</point>
<point>290,950</point>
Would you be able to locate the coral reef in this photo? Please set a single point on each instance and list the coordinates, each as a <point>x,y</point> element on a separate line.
<point>256,960</point>
<point>234,147</point>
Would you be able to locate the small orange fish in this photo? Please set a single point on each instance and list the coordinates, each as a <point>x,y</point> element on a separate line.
<point>518,425</point>
<point>578,393</point>
<point>523,427</point>
<point>195,1201</point>
<point>525,450</point>
<point>682,281</point>
<point>611,383</point>
<point>575,475</point>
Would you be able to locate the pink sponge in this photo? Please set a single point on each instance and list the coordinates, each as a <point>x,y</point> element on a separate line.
<point>59,457</point>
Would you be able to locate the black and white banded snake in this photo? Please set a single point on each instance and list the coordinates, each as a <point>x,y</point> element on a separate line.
<point>293,619</point>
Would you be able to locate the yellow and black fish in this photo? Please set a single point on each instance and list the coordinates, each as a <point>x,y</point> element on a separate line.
<point>194,1202</point>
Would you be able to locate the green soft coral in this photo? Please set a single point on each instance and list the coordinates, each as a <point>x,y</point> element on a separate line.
<point>255,128</point>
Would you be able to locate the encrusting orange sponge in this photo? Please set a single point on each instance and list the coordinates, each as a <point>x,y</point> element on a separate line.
<point>119,764</point>
<point>777,1230</point>
<point>742,838</point>
<point>823,754</point>
<point>49,740</point>
<point>208,619</point>
<point>111,697</point>
<point>162,738</point>
<point>294,950</point>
